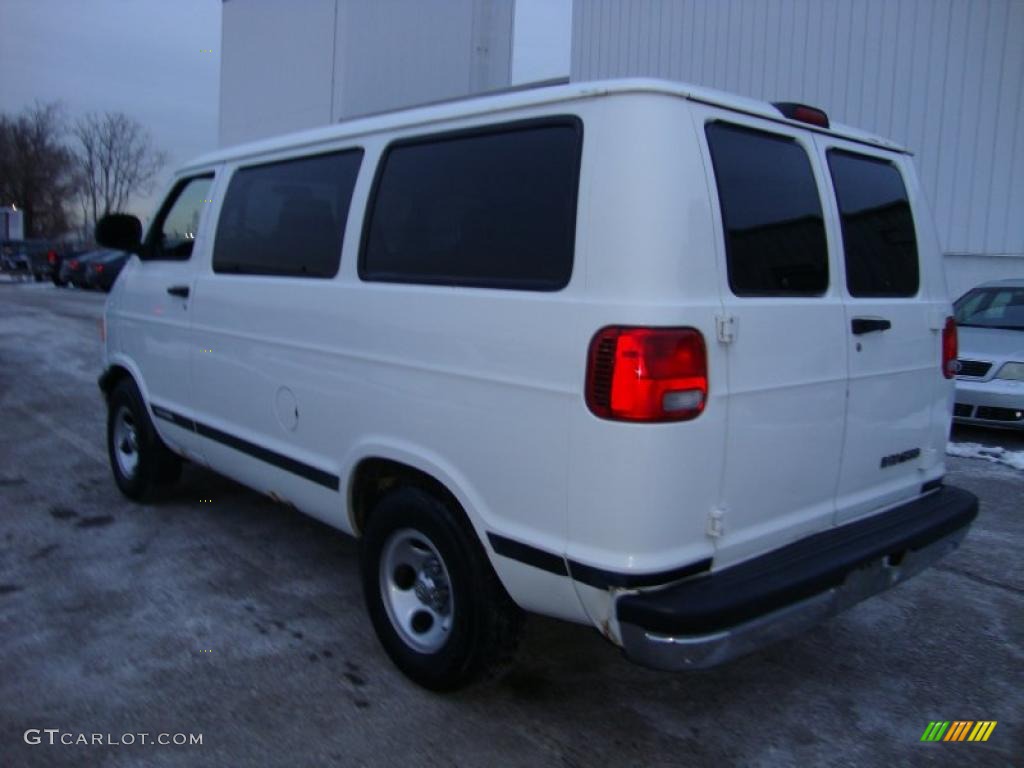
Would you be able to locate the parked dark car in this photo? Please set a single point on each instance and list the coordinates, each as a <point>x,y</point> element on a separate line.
<point>72,270</point>
<point>44,264</point>
<point>102,271</point>
<point>48,264</point>
<point>46,259</point>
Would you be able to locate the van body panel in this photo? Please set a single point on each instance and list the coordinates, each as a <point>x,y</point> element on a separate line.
<point>785,391</point>
<point>155,330</point>
<point>646,265</point>
<point>153,327</point>
<point>896,387</point>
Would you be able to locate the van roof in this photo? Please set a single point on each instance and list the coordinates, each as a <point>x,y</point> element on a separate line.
<point>511,99</point>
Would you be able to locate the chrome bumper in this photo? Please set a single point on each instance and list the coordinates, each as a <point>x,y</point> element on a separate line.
<point>700,651</point>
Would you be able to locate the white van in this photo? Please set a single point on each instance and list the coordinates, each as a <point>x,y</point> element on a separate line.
<point>633,354</point>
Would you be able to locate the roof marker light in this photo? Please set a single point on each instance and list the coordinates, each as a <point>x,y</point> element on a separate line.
<point>803,113</point>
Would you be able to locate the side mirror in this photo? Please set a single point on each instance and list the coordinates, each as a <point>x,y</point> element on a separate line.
<point>120,231</point>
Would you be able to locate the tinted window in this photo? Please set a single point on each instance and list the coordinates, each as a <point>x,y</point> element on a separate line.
<point>878,228</point>
<point>177,227</point>
<point>495,209</point>
<point>774,230</point>
<point>287,218</point>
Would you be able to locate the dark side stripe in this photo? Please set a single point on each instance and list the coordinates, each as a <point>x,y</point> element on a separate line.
<point>318,476</point>
<point>506,547</point>
<point>174,418</point>
<point>524,553</point>
<point>588,574</point>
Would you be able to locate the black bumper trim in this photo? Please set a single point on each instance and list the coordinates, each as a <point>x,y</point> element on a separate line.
<point>602,579</point>
<point>723,599</point>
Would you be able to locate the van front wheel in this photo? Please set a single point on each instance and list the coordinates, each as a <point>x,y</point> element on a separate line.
<point>138,457</point>
<point>434,600</point>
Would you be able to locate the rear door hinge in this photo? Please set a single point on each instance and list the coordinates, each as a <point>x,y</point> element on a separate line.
<point>716,524</point>
<point>725,328</point>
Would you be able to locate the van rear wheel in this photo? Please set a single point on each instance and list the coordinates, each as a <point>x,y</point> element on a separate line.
<point>434,600</point>
<point>140,461</point>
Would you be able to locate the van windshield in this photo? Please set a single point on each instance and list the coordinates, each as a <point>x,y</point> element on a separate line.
<point>994,307</point>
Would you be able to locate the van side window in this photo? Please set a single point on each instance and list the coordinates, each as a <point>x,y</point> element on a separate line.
<point>774,229</point>
<point>177,224</point>
<point>491,208</point>
<point>287,218</point>
<point>878,226</point>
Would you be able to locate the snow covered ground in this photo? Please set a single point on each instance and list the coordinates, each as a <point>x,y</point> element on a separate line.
<point>993,453</point>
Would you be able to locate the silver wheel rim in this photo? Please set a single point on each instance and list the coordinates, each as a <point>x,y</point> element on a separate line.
<point>126,441</point>
<point>416,590</point>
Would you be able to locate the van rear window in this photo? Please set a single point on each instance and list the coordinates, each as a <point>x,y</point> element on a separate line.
<point>774,229</point>
<point>492,208</point>
<point>878,226</point>
<point>287,218</point>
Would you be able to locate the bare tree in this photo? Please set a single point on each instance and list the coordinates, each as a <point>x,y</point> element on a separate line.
<point>37,170</point>
<point>116,159</point>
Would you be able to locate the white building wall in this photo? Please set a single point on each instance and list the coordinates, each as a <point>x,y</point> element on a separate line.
<point>292,65</point>
<point>276,67</point>
<point>942,77</point>
<point>392,53</point>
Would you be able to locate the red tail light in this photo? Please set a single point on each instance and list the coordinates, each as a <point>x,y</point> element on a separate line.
<point>74,264</point>
<point>949,349</point>
<point>647,374</point>
<point>52,257</point>
<point>98,267</point>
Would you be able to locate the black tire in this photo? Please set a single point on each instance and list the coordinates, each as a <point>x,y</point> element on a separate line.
<point>145,463</point>
<point>484,622</point>
<point>59,283</point>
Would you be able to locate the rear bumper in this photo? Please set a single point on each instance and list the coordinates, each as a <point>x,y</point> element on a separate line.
<point>710,619</point>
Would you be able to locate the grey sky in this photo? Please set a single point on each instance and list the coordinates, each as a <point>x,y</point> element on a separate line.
<point>142,57</point>
<point>146,58</point>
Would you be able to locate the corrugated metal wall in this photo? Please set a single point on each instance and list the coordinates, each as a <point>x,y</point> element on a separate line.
<point>943,77</point>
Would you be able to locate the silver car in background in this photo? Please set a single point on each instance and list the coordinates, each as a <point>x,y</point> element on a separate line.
<point>990,380</point>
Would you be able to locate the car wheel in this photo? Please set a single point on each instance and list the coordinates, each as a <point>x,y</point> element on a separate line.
<point>434,600</point>
<point>140,461</point>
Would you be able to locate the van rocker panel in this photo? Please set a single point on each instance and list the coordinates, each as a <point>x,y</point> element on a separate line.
<point>714,617</point>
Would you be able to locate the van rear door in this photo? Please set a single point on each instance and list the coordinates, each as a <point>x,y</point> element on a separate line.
<point>893,331</point>
<point>783,334</point>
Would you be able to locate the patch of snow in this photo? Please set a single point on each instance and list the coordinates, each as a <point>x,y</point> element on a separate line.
<point>991,453</point>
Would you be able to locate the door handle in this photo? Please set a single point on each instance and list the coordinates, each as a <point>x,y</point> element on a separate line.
<point>861,325</point>
<point>178,290</point>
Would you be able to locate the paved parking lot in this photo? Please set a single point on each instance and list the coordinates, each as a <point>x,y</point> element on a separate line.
<point>242,621</point>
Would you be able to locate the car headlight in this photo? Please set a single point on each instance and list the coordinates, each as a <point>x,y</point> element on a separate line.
<point>1012,371</point>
